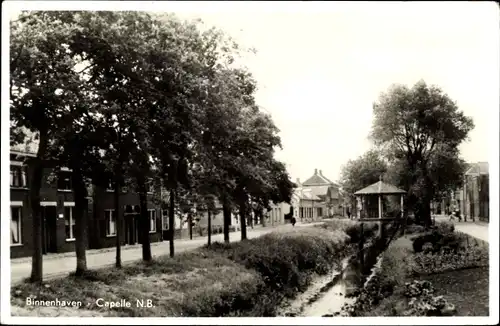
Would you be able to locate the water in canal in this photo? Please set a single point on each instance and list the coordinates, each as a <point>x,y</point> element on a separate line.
<point>327,294</point>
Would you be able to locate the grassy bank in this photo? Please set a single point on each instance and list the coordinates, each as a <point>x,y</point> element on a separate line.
<point>246,278</point>
<point>436,273</point>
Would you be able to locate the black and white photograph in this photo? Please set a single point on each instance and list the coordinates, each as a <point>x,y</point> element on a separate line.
<point>292,162</point>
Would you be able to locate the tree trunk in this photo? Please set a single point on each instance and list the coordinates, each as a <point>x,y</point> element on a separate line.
<point>171,224</point>
<point>209,227</point>
<point>251,217</point>
<point>243,218</point>
<point>226,211</point>
<point>118,216</point>
<point>36,167</point>
<point>190,221</point>
<point>144,222</point>
<point>80,192</point>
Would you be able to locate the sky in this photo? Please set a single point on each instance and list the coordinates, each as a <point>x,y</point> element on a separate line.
<point>320,66</point>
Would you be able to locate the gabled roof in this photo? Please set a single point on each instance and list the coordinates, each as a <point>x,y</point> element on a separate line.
<point>380,187</point>
<point>478,168</point>
<point>318,179</point>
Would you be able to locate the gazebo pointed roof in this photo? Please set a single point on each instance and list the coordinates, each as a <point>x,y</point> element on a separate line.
<point>380,188</point>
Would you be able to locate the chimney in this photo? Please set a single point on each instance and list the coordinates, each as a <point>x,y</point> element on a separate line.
<point>298,181</point>
<point>315,171</point>
<point>320,173</point>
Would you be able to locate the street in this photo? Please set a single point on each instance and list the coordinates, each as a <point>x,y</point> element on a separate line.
<point>54,267</point>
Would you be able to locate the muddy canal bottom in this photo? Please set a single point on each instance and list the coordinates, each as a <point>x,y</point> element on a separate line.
<point>327,294</point>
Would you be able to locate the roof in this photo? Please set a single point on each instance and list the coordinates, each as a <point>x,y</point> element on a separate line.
<point>320,190</point>
<point>306,193</point>
<point>478,168</point>
<point>318,179</point>
<point>380,187</point>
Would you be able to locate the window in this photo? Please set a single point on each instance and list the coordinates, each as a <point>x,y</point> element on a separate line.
<point>110,217</point>
<point>152,220</point>
<point>17,176</point>
<point>69,223</point>
<point>164,217</point>
<point>15,225</point>
<point>64,181</point>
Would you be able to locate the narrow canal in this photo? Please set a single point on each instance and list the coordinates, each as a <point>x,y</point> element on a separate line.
<point>327,294</point>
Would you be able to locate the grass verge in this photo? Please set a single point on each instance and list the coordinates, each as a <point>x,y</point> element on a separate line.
<point>246,278</point>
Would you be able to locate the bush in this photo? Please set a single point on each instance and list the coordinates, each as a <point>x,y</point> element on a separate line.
<point>432,238</point>
<point>352,228</point>
<point>424,303</point>
<point>444,227</point>
<point>287,260</point>
<point>443,239</point>
<point>432,263</point>
<point>216,301</point>
<point>418,288</point>
<point>414,228</point>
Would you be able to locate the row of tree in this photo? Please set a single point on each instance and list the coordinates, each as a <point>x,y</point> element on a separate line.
<point>128,97</point>
<point>417,132</point>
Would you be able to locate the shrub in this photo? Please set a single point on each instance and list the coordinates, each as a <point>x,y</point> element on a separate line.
<point>414,228</point>
<point>217,301</point>
<point>418,242</point>
<point>427,247</point>
<point>287,260</point>
<point>428,305</point>
<point>418,288</point>
<point>432,263</point>
<point>444,227</point>
<point>352,228</point>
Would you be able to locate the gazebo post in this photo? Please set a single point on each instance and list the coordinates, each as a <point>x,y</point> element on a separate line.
<point>402,207</point>
<point>380,215</point>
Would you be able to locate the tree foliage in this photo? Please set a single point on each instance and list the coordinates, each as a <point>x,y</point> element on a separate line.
<point>363,171</point>
<point>421,128</point>
<point>124,97</point>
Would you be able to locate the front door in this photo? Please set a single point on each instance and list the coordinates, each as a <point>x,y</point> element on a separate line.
<point>49,229</point>
<point>131,229</point>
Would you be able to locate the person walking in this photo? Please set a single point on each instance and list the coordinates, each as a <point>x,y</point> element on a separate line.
<point>348,213</point>
<point>293,220</point>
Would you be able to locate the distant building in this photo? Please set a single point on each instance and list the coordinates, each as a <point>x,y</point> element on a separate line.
<point>316,198</point>
<point>473,197</point>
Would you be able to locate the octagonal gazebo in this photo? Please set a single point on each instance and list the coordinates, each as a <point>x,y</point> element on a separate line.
<point>380,189</point>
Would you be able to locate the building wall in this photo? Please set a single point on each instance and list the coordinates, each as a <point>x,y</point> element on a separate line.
<point>312,209</point>
<point>276,215</point>
<point>476,196</point>
<point>97,204</point>
<point>104,200</point>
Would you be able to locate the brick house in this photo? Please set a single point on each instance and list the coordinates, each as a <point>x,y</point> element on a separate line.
<point>57,203</point>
